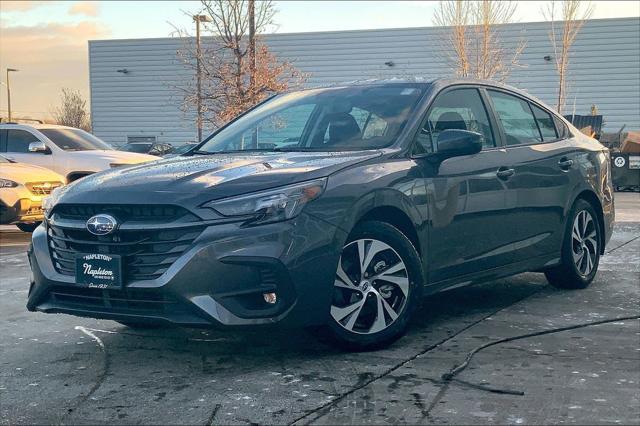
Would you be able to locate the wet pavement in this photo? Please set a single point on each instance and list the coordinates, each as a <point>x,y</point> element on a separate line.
<point>63,369</point>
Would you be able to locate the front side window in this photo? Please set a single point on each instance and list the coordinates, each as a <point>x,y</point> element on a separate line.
<point>516,117</point>
<point>459,109</point>
<point>332,119</point>
<point>75,140</point>
<point>545,124</point>
<point>18,140</point>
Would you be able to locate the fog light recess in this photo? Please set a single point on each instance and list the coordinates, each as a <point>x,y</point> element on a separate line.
<point>270,298</point>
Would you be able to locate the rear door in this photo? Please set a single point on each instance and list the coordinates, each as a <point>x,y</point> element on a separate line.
<point>18,141</point>
<point>467,204</point>
<point>542,160</point>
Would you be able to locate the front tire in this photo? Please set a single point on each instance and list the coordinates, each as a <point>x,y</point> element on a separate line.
<point>376,288</point>
<point>580,249</point>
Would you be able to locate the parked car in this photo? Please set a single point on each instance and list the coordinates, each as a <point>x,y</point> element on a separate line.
<point>181,149</point>
<point>151,148</point>
<point>22,188</point>
<point>71,152</point>
<point>393,191</point>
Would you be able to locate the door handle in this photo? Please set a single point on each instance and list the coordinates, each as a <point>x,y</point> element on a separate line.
<point>505,173</point>
<point>565,163</point>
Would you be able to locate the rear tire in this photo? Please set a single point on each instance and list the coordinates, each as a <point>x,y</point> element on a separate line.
<point>376,288</point>
<point>580,249</point>
<point>28,227</point>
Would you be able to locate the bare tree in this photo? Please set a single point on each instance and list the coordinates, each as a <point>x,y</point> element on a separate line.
<point>72,110</point>
<point>472,38</point>
<point>237,69</point>
<point>573,13</point>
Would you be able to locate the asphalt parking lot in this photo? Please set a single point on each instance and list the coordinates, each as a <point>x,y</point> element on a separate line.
<point>67,370</point>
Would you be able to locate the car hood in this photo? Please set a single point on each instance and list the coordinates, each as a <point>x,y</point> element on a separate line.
<point>113,156</point>
<point>24,173</point>
<point>201,178</point>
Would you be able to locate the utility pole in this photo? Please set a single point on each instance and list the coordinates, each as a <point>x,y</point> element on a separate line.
<point>9,91</point>
<point>198,19</point>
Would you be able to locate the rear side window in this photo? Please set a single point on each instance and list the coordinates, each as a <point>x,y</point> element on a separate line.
<point>516,117</point>
<point>545,124</point>
<point>18,140</point>
<point>563,131</point>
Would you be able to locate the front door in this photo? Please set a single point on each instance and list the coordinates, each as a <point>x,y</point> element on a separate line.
<point>18,141</point>
<point>467,197</point>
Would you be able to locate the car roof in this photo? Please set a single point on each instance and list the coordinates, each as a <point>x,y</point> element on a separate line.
<point>37,126</point>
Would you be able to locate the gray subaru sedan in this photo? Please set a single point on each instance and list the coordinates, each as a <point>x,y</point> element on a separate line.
<point>338,207</point>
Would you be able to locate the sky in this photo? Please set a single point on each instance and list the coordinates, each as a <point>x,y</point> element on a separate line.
<point>47,40</point>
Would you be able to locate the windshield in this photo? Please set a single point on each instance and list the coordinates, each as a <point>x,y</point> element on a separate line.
<point>183,148</point>
<point>75,140</point>
<point>140,148</point>
<point>334,119</point>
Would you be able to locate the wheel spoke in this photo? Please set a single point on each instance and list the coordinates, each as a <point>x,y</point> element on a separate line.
<point>342,275</point>
<point>389,309</point>
<point>380,322</point>
<point>577,258</point>
<point>591,238</point>
<point>361,256</point>
<point>339,283</point>
<point>340,314</point>
<point>354,317</point>
<point>393,270</point>
<point>401,282</point>
<point>589,263</point>
<point>374,248</point>
<point>575,234</point>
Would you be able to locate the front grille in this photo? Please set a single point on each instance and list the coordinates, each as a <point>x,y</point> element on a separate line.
<point>146,253</point>
<point>42,188</point>
<point>146,301</point>
<point>35,210</point>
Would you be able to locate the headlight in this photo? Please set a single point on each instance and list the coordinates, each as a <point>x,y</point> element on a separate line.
<point>6,183</point>
<point>270,206</point>
<point>49,202</point>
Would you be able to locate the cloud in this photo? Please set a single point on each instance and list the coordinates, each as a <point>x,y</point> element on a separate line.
<point>20,6</point>
<point>49,57</point>
<point>87,8</point>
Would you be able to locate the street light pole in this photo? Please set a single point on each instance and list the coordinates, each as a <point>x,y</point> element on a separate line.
<point>9,91</point>
<point>198,19</point>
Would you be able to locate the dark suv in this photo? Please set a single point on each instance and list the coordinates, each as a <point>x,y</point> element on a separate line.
<point>338,206</point>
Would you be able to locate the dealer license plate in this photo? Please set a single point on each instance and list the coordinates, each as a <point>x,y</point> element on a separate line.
<point>99,271</point>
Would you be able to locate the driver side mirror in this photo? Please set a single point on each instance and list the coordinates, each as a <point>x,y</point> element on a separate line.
<point>39,146</point>
<point>456,143</point>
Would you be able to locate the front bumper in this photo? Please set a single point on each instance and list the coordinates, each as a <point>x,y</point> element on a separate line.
<point>24,210</point>
<point>219,280</point>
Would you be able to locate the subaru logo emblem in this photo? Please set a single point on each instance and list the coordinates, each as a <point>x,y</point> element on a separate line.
<point>101,224</point>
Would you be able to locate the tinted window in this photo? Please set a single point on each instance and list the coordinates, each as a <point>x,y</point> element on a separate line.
<point>19,140</point>
<point>459,109</point>
<point>140,148</point>
<point>545,124</point>
<point>516,118</point>
<point>75,140</point>
<point>332,119</point>
<point>563,131</point>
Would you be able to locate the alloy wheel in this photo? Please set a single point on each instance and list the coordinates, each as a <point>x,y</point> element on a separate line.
<point>371,287</point>
<point>584,242</point>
